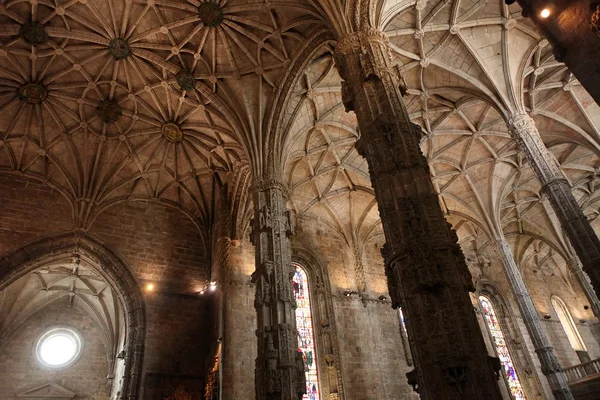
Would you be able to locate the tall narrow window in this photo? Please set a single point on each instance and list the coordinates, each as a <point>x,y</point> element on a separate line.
<point>568,325</point>
<point>514,384</point>
<point>404,337</point>
<point>306,337</point>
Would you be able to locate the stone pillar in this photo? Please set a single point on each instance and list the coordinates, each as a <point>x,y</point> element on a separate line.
<point>426,271</point>
<point>578,229</point>
<point>574,266</point>
<point>279,366</point>
<point>549,363</point>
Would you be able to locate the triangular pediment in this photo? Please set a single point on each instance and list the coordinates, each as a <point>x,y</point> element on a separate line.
<point>48,390</point>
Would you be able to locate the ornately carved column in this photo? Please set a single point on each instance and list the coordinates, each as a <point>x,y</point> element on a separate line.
<point>574,266</point>
<point>549,363</point>
<point>426,270</point>
<point>581,234</point>
<point>279,367</point>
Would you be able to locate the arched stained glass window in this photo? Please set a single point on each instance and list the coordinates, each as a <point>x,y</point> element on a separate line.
<point>568,324</point>
<point>306,337</point>
<point>514,384</point>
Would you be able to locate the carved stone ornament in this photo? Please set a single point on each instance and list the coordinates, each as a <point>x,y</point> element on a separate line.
<point>119,48</point>
<point>47,391</point>
<point>595,19</point>
<point>211,14</point>
<point>172,132</point>
<point>424,264</point>
<point>185,80</point>
<point>32,93</point>
<point>109,111</point>
<point>33,33</point>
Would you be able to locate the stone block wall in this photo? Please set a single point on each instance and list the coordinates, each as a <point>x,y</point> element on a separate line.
<point>20,370</point>
<point>179,334</point>
<point>373,362</point>
<point>161,245</point>
<point>29,210</point>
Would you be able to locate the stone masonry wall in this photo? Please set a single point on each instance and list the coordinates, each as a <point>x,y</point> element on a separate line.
<point>372,357</point>
<point>20,370</point>
<point>29,210</point>
<point>161,245</point>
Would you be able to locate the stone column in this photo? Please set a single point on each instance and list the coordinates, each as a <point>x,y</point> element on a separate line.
<point>574,266</point>
<point>549,363</point>
<point>279,366</point>
<point>426,271</point>
<point>579,231</point>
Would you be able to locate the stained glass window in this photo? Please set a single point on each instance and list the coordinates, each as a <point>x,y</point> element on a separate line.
<point>502,349</point>
<point>306,337</point>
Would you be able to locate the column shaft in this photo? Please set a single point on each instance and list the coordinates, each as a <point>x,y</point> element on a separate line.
<point>426,270</point>
<point>279,365</point>
<point>549,363</point>
<point>575,266</point>
<point>578,229</point>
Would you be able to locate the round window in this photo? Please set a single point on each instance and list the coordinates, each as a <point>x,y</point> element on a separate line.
<point>59,347</point>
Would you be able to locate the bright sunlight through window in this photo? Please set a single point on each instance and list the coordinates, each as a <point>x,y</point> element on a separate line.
<point>59,347</point>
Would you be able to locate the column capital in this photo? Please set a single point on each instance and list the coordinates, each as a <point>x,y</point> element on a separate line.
<point>357,40</point>
<point>270,182</point>
<point>521,121</point>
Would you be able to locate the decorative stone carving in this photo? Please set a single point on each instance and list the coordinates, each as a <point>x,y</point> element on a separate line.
<point>210,14</point>
<point>109,111</point>
<point>278,374</point>
<point>172,132</point>
<point>32,93</point>
<point>574,266</point>
<point>424,264</point>
<point>119,48</point>
<point>33,33</point>
<point>185,80</point>
<point>582,236</point>
<point>47,391</point>
<point>595,18</point>
<point>549,363</point>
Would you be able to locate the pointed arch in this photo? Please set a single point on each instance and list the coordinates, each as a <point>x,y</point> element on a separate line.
<point>566,320</point>
<point>323,319</point>
<point>19,262</point>
<point>506,344</point>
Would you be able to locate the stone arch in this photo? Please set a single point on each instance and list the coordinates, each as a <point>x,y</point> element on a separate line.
<point>514,339</point>
<point>23,260</point>
<point>326,337</point>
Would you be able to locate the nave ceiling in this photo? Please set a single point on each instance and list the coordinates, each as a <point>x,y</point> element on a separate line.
<point>100,104</point>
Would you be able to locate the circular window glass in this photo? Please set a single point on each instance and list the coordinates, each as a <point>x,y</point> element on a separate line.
<point>59,347</point>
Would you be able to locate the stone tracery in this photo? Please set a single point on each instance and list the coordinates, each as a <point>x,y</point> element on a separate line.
<point>163,103</point>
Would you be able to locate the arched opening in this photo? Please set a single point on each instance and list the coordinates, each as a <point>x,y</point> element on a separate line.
<point>80,309</point>
<point>501,347</point>
<point>306,332</point>
<point>568,325</point>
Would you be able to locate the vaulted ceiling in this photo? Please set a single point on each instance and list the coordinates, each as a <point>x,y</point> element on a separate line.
<point>111,101</point>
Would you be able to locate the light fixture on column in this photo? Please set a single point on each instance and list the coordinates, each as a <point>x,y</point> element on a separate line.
<point>150,287</point>
<point>212,286</point>
<point>545,13</point>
